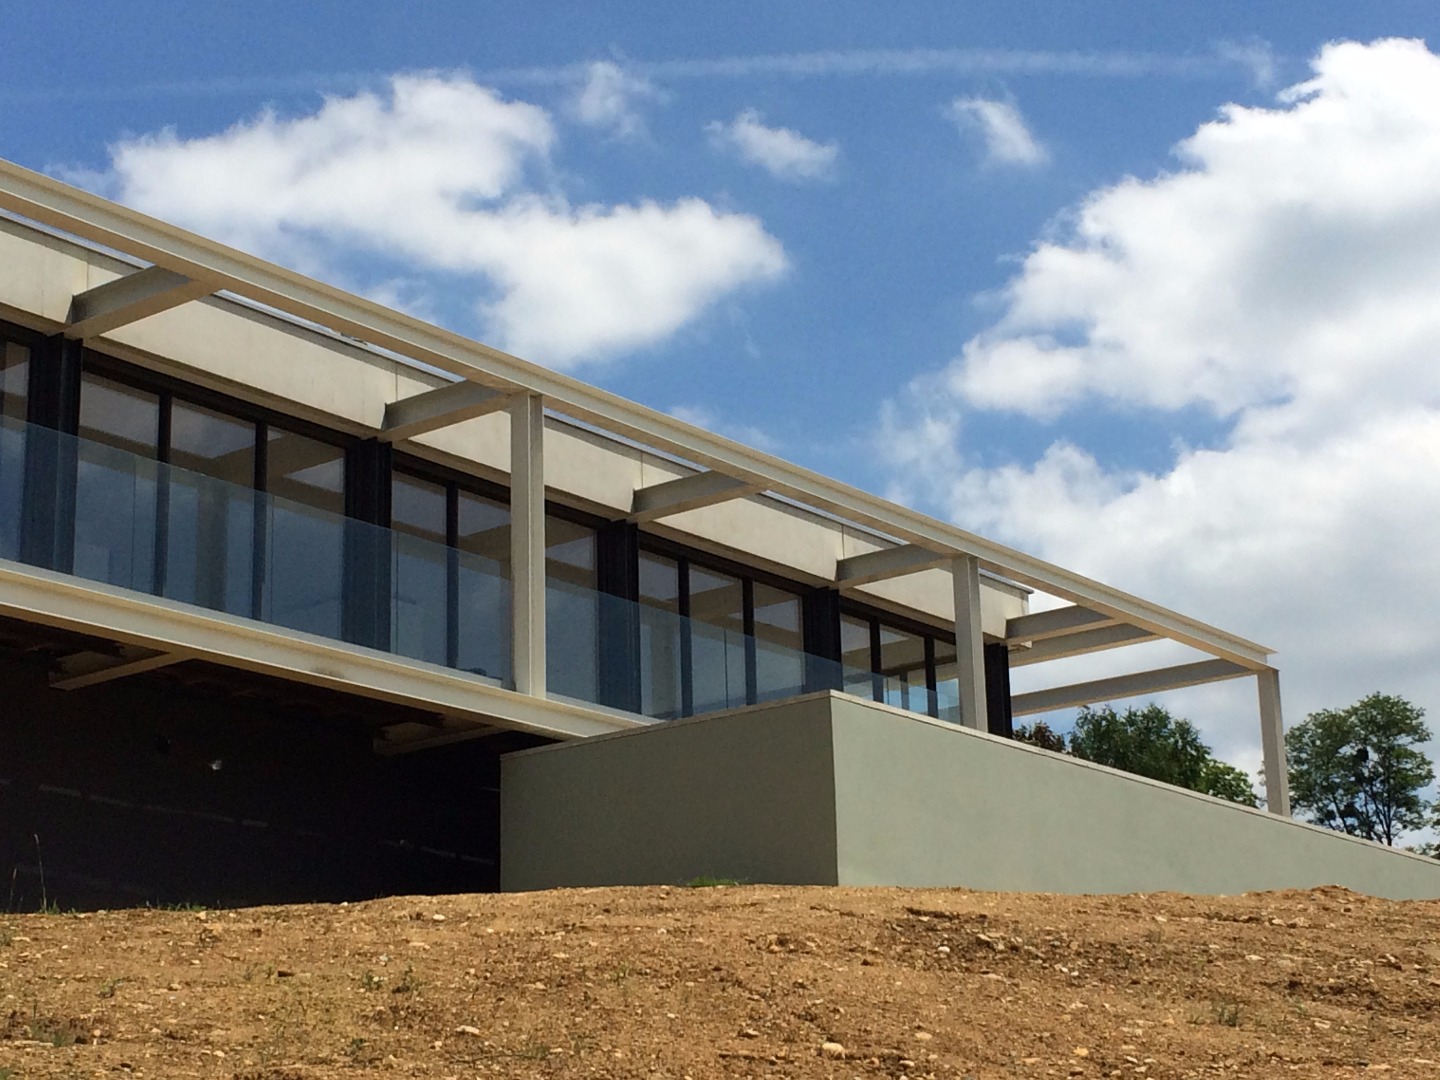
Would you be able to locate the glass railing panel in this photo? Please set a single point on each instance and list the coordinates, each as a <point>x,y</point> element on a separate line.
<point>209,536</point>
<point>115,511</point>
<point>304,567</point>
<point>143,525</point>
<point>12,485</point>
<point>572,640</point>
<point>422,573</point>
<point>483,631</point>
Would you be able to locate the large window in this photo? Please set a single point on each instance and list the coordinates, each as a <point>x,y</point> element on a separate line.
<point>572,610</point>
<point>14,395</point>
<point>202,503</point>
<point>452,575</point>
<point>714,638</point>
<point>910,667</point>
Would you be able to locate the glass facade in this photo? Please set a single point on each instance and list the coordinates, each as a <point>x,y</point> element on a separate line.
<point>189,496</point>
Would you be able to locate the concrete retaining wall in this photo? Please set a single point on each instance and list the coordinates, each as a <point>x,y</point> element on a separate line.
<point>830,789</point>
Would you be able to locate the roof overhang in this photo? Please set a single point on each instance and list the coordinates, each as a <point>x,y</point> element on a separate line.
<point>182,259</point>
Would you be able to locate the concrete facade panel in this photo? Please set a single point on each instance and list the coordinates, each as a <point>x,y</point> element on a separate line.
<point>747,795</point>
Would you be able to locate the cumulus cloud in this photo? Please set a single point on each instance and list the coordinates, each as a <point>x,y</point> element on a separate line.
<point>610,99</point>
<point>440,174</point>
<point>1281,279</point>
<point>783,153</point>
<point>999,124</point>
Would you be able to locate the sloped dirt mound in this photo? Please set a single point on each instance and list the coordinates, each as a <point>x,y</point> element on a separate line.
<point>731,981</point>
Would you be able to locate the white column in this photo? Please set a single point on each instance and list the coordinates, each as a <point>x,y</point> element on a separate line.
<point>969,642</point>
<point>527,542</point>
<point>1272,742</point>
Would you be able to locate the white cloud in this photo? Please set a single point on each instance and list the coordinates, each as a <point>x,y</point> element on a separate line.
<point>436,175</point>
<point>1282,280</point>
<point>610,98</point>
<point>781,152</point>
<point>999,123</point>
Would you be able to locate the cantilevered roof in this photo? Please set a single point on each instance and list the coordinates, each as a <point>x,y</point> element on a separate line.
<point>184,266</point>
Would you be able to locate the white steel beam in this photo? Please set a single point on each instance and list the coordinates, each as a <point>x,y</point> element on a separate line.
<point>88,669</point>
<point>438,408</point>
<point>61,206</point>
<point>887,563</point>
<point>67,602</point>
<point>1126,686</point>
<point>1272,743</point>
<point>129,299</point>
<point>527,542</point>
<point>969,642</point>
<point>1056,622</point>
<point>1080,643</point>
<point>687,493</point>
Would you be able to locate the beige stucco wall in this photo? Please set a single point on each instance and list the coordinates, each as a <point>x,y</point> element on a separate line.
<point>921,803</point>
<point>832,789</point>
<point>750,797</point>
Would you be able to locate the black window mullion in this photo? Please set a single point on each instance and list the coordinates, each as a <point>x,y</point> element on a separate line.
<point>752,652</point>
<point>687,653</point>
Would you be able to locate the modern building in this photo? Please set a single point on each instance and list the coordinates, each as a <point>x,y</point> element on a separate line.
<point>301,597</point>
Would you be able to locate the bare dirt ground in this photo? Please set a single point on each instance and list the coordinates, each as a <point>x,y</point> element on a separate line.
<point>730,981</point>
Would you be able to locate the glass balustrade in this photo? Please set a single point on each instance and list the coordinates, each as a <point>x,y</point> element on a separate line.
<point>140,524</point>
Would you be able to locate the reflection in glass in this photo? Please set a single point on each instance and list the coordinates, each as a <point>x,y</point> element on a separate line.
<point>14,388</point>
<point>305,551</point>
<point>661,691</point>
<point>855,657</point>
<point>779,643</point>
<point>420,623</point>
<point>115,493</point>
<point>572,611</point>
<point>717,641</point>
<point>482,586</point>
<point>209,530</point>
<point>947,682</point>
<point>902,663</point>
<point>14,379</point>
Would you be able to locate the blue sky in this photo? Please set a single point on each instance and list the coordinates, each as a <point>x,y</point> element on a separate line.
<point>1089,278</point>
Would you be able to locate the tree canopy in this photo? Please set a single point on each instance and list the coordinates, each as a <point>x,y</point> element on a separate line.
<point>1151,742</point>
<point>1357,769</point>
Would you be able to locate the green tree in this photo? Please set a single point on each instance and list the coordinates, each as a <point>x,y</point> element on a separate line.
<point>1150,742</point>
<point>1357,769</point>
<point>1042,735</point>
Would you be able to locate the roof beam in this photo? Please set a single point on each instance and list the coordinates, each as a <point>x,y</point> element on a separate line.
<point>1126,686</point>
<point>1054,623</point>
<point>87,668</point>
<point>1078,644</point>
<point>438,408</point>
<point>50,202</point>
<point>687,493</point>
<point>887,563</point>
<point>129,299</point>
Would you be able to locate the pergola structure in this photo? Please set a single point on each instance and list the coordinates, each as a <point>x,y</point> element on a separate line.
<point>176,267</point>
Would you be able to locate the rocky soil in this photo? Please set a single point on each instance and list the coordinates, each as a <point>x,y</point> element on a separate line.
<point>730,981</point>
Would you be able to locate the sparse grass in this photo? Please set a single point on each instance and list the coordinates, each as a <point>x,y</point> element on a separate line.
<point>706,881</point>
<point>409,983</point>
<point>1227,1012</point>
